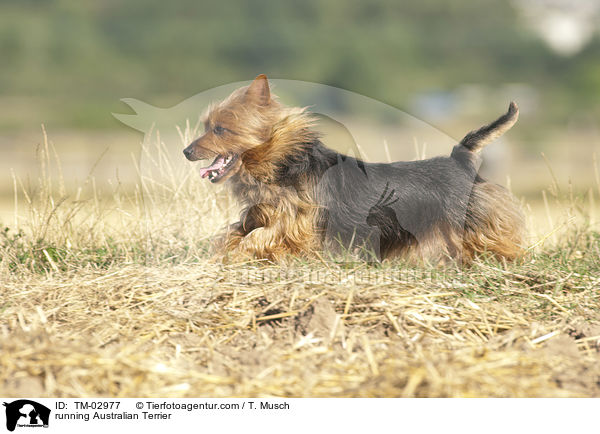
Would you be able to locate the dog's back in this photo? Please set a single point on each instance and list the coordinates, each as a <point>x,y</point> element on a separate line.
<point>426,209</point>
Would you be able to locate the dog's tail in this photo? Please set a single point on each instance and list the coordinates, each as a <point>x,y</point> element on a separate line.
<point>477,139</point>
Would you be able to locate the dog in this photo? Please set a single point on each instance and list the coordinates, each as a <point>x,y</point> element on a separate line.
<point>300,197</point>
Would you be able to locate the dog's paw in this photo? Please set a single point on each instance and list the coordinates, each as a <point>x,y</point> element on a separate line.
<point>217,258</point>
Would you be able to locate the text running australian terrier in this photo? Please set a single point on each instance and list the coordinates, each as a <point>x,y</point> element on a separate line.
<point>300,197</point>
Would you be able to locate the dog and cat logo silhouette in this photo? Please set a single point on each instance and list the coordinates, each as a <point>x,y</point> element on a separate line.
<point>26,413</point>
<point>299,195</point>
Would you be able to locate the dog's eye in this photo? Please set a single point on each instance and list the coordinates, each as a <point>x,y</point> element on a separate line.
<point>218,130</point>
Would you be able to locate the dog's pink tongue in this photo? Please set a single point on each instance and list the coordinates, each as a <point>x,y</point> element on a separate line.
<point>214,166</point>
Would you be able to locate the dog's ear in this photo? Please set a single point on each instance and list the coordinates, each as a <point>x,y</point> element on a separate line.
<point>258,91</point>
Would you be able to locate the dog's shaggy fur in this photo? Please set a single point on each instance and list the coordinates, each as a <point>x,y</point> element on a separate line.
<point>300,196</point>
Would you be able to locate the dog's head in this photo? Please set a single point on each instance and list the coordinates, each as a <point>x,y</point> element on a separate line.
<point>240,123</point>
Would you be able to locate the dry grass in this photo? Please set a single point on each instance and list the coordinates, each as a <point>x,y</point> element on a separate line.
<point>118,297</point>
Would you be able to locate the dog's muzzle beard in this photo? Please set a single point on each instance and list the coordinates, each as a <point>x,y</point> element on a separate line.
<point>221,165</point>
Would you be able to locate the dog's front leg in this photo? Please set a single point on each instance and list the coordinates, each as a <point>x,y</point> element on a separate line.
<point>253,219</point>
<point>227,241</point>
<point>231,238</point>
<point>266,242</point>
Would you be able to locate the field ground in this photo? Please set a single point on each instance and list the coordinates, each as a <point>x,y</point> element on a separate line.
<point>118,297</point>
<point>211,330</point>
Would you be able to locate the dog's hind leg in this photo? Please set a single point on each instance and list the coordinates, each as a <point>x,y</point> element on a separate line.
<point>494,223</point>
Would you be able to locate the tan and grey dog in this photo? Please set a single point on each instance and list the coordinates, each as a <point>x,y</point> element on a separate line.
<point>300,196</point>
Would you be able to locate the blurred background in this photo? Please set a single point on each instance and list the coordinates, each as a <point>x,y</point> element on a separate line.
<point>454,65</point>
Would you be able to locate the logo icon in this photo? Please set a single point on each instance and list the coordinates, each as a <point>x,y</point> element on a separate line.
<point>26,413</point>
<point>351,223</point>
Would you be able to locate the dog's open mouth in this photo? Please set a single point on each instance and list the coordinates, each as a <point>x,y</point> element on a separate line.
<point>219,167</point>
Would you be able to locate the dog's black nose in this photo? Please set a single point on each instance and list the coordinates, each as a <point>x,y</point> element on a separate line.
<point>187,152</point>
